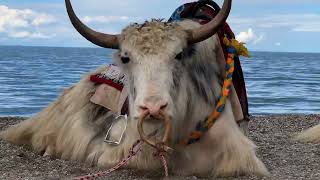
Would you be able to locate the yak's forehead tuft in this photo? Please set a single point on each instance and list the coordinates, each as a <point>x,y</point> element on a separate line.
<point>153,36</point>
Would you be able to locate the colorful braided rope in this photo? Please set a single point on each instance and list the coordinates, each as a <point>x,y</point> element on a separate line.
<point>204,126</point>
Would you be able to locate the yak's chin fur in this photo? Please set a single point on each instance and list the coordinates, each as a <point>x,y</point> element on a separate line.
<point>310,135</point>
<point>73,128</point>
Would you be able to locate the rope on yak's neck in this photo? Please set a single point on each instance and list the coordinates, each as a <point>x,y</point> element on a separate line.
<point>234,49</point>
<point>135,149</point>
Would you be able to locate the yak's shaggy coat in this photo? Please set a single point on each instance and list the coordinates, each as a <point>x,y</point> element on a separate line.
<point>310,135</point>
<point>73,128</point>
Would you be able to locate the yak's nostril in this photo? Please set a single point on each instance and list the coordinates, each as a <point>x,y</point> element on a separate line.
<point>153,108</point>
<point>163,106</point>
<point>144,109</point>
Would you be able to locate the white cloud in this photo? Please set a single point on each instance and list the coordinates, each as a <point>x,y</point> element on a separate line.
<point>294,22</point>
<point>13,18</point>
<point>104,19</point>
<point>22,34</point>
<point>278,44</point>
<point>17,23</point>
<point>249,37</point>
<point>32,35</point>
<point>39,35</point>
<point>310,27</point>
<point>43,19</point>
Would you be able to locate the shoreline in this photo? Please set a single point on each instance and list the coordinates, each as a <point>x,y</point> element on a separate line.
<point>284,157</point>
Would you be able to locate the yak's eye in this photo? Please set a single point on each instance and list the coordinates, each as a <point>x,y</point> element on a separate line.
<point>179,56</point>
<point>125,60</point>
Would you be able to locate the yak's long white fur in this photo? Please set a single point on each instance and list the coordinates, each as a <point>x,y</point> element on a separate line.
<point>310,135</point>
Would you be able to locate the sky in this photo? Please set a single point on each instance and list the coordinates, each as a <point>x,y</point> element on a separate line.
<point>264,25</point>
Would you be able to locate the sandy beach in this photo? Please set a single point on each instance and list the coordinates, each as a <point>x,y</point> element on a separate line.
<point>285,158</point>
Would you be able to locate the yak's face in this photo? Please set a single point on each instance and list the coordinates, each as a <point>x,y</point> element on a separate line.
<point>151,55</point>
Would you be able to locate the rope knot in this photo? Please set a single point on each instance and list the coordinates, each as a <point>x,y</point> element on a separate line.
<point>236,47</point>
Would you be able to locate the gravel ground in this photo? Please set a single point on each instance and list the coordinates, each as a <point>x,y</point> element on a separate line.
<point>285,158</point>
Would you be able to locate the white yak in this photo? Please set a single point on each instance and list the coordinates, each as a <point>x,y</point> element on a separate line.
<point>172,69</point>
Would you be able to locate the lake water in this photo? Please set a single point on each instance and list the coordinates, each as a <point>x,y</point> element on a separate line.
<point>32,77</point>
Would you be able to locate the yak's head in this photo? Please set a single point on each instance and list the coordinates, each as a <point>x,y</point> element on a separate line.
<point>153,56</point>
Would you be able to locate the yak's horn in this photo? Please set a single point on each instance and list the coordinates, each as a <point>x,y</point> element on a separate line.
<point>209,29</point>
<point>100,39</point>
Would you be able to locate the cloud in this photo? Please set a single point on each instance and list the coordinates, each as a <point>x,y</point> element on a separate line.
<point>104,19</point>
<point>309,27</point>
<point>22,34</point>
<point>294,22</point>
<point>43,19</point>
<point>278,44</point>
<point>17,23</point>
<point>249,37</point>
<point>281,3</point>
<point>13,18</point>
<point>26,34</point>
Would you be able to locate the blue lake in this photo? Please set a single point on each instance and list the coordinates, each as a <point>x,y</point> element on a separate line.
<point>32,77</point>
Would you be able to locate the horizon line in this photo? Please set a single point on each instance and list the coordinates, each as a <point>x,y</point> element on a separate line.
<point>96,47</point>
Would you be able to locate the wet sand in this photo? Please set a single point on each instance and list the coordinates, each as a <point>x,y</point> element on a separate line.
<point>285,158</point>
